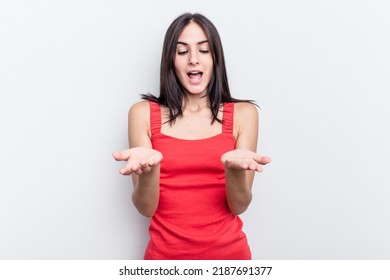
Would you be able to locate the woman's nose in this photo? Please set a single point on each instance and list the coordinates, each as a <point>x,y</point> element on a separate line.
<point>194,60</point>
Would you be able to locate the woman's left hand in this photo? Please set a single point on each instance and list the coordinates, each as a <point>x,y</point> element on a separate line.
<point>243,159</point>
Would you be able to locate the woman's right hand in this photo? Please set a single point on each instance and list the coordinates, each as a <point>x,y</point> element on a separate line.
<point>139,160</point>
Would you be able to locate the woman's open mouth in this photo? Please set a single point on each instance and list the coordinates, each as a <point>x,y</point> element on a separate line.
<point>195,76</point>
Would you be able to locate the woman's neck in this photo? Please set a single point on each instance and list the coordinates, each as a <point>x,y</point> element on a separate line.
<point>194,104</point>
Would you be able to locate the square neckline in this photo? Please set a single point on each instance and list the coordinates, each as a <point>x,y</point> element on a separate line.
<point>227,122</point>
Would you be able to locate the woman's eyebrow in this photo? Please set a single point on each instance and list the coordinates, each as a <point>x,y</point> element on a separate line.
<point>186,44</point>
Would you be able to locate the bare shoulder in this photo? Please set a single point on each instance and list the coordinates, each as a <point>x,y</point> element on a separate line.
<point>140,109</point>
<point>245,124</point>
<point>245,111</point>
<point>139,124</point>
<point>140,113</point>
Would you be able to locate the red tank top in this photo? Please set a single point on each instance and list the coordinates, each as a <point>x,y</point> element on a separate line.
<point>193,220</point>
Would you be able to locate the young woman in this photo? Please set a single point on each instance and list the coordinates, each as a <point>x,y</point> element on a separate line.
<point>192,151</point>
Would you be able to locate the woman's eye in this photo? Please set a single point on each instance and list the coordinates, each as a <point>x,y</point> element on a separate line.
<point>182,52</point>
<point>204,51</point>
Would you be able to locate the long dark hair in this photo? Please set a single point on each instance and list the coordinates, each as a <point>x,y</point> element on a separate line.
<point>171,90</point>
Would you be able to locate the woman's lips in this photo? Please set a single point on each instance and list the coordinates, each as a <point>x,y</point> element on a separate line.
<point>195,76</point>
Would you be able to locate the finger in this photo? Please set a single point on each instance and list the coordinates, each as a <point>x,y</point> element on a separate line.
<point>263,160</point>
<point>145,167</point>
<point>245,166</point>
<point>259,168</point>
<point>120,156</point>
<point>227,162</point>
<point>152,162</point>
<point>129,168</point>
<point>155,160</point>
<point>117,155</point>
<point>139,171</point>
<point>253,166</point>
<point>125,171</point>
<point>267,159</point>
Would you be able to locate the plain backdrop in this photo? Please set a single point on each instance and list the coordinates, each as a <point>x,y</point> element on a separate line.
<point>319,70</point>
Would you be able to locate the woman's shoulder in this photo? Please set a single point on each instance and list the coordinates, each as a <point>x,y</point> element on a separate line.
<point>139,110</point>
<point>245,110</point>
<point>140,107</point>
<point>246,120</point>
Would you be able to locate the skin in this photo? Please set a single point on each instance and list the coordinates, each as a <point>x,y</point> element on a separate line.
<point>143,162</point>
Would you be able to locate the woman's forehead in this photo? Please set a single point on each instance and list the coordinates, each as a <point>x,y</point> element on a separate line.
<point>192,34</point>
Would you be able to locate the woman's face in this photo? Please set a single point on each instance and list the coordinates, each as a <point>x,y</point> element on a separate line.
<point>193,60</point>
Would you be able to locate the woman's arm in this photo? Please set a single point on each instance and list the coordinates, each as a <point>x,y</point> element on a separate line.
<point>241,163</point>
<point>143,162</point>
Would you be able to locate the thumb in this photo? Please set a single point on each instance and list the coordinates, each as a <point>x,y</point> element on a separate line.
<point>123,155</point>
<point>262,159</point>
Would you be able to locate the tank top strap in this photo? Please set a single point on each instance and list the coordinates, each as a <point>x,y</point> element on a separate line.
<point>227,119</point>
<point>155,117</point>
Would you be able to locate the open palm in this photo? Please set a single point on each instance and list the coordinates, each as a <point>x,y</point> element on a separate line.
<point>139,160</point>
<point>244,159</point>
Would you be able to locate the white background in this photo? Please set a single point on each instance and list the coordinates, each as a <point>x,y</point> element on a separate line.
<point>69,71</point>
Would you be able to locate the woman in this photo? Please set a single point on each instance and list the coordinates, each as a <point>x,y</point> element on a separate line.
<point>192,151</point>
